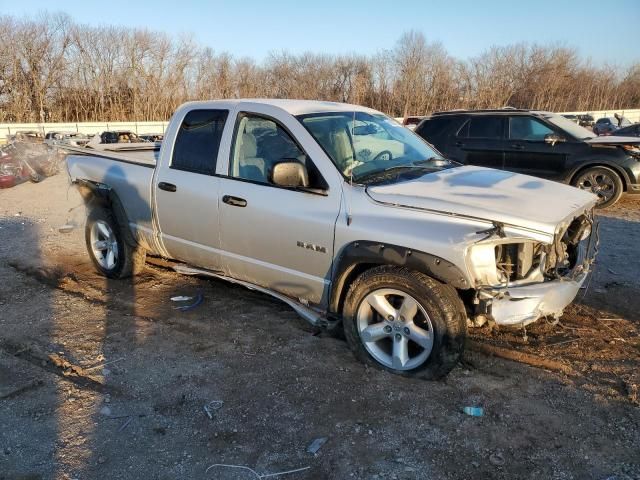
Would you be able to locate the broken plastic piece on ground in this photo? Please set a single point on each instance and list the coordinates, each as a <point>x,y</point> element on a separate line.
<point>496,459</point>
<point>198,300</point>
<point>124,425</point>
<point>316,445</point>
<point>67,227</point>
<point>474,411</point>
<point>257,475</point>
<point>211,407</point>
<point>181,298</point>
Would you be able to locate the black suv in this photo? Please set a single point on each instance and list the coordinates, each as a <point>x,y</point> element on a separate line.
<point>542,144</point>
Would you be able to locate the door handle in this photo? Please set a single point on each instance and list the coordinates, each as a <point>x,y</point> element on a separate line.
<point>167,187</point>
<point>459,144</point>
<point>517,146</point>
<point>234,201</point>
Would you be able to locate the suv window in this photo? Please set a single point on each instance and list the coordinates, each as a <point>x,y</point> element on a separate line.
<point>483,127</point>
<point>259,144</point>
<point>434,127</point>
<point>527,128</point>
<point>198,141</point>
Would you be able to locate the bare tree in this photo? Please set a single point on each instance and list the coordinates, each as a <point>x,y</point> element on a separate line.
<point>53,69</point>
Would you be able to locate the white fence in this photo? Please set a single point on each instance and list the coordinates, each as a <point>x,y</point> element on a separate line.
<point>8,129</point>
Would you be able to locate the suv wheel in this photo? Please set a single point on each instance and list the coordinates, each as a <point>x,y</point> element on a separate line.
<point>111,255</point>
<point>404,322</point>
<point>603,182</point>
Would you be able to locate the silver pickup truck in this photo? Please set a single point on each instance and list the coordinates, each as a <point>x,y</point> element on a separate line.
<point>348,217</point>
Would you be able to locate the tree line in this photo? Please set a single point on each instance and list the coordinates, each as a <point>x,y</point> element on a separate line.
<point>53,69</point>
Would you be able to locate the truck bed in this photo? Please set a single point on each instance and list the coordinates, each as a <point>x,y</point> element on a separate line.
<point>128,173</point>
<point>147,156</point>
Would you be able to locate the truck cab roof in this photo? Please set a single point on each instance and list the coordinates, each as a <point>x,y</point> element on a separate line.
<point>294,107</point>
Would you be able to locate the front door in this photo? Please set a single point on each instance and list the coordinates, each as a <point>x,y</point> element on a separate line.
<point>279,238</point>
<point>528,153</point>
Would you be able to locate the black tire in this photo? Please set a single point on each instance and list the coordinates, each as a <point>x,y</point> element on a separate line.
<point>607,176</point>
<point>441,303</point>
<point>129,261</point>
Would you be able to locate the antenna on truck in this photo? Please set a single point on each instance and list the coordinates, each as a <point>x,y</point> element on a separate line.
<point>353,126</point>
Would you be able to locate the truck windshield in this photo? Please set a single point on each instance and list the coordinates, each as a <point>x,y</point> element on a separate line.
<point>362,144</point>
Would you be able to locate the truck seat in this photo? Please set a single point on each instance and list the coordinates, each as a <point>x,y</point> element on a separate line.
<point>250,166</point>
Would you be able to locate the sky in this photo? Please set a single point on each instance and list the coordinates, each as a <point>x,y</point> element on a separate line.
<point>605,32</point>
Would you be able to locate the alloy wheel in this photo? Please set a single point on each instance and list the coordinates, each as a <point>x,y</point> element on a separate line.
<point>598,182</point>
<point>395,329</point>
<point>104,245</point>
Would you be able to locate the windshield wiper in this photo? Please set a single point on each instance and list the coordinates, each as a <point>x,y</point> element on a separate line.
<point>387,170</point>
<point>428,160</point>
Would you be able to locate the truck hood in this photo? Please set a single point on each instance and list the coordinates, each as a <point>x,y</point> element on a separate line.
<point>487,194</point>
<point>613,139</point>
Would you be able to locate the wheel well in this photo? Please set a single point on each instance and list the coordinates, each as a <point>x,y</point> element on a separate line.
<point>361,255</point>
<point>98,195</point>
<point>603,165</point>
<point>355,271</point>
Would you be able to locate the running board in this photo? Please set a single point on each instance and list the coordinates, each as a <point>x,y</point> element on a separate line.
<point>314,318</point>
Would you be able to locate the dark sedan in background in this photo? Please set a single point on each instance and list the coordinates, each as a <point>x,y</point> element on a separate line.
<point>630,131</point>
<point>609,125</point>
<point>541,144</point>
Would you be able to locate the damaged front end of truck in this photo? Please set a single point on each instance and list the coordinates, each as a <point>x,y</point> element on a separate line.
<point>522,278</point>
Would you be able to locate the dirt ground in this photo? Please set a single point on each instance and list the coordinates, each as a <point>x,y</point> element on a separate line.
<point>104,379</point>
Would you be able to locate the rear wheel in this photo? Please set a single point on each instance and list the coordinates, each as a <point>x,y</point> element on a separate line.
<point>603,182</point>
<point>111,255</point>
<point>404,322</point>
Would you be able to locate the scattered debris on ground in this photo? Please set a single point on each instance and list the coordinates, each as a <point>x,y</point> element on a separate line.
<point>102,378</point>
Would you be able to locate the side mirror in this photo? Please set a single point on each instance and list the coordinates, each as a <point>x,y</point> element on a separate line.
<point>552,139</point>
<point>290,173</point>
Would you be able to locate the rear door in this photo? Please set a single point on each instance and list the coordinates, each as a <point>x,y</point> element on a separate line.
<point>528,153</point>
<point>480,141</point>
<point>273,236</point>
<point>187,190</point>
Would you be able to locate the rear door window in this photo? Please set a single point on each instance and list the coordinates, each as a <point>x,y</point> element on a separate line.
<point>483,127</point>
<point>198,141</point>
<point>436,127</point>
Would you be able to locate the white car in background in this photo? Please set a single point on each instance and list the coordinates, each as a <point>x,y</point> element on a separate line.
<point>372,142</point>
<point>73,139</point>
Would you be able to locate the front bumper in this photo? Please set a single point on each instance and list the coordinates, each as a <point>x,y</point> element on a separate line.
<point>523,304</point>
<point>526,304</point>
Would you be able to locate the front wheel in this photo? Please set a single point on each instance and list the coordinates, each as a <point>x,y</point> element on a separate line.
<point>603,182</point>
<point>110,253</point>
<point>404,322</point>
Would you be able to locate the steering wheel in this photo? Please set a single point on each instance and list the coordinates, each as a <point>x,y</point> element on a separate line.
<point>384,156</point>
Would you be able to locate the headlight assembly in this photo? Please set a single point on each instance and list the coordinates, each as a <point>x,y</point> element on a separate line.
<point>504,262</point>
